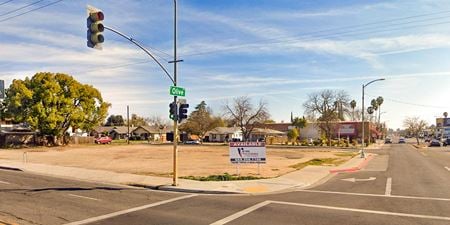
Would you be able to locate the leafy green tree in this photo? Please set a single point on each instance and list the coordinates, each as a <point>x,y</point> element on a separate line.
<point>298,123</point>
<point>115,120</point>
<point>200,121</point>
<point>53,102</point>
<point>136,121</point>
<point>293,135</point>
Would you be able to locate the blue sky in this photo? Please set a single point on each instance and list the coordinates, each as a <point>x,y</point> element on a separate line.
<point>276,50</point>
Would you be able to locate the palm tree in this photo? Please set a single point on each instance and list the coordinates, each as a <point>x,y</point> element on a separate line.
<point>370,111</point>
<point>353,106</point>
<point>380,101</point>
<point>374,105</point>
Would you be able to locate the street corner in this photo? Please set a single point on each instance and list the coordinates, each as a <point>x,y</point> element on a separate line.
<point>360,163</point>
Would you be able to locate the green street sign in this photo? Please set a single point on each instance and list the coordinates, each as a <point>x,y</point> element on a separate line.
<point>177,91</point>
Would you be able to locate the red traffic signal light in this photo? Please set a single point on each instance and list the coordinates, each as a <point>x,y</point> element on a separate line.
<point>95,27</point>
<point>96,16</point>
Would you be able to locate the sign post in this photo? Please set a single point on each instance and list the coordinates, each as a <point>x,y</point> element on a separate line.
<point>177,91</point>
<point>247,152</point>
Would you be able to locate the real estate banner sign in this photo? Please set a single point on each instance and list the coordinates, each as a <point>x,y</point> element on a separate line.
<point>247,152</point>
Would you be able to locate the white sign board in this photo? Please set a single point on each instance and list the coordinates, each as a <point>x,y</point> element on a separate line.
<point>247,152</point>
<point>346,129</point>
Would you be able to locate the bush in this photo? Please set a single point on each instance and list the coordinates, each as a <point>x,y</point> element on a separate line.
<point>222,177</point>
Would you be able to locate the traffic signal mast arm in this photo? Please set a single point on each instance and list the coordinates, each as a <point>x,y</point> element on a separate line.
<point>144,49</point>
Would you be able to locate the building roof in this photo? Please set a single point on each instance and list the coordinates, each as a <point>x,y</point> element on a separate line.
<point>283,127</point>
<point>266,131</point>
<point>154,129</point>
<point>224,130</point>
<point>103,129</point>
<point>121,129</point>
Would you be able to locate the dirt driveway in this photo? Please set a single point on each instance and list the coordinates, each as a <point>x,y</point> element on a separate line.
<point>147,159</point>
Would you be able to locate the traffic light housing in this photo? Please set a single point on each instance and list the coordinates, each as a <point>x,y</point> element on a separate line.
<point>95,28</point>
<point>182,112</point>
<point>173,111</point>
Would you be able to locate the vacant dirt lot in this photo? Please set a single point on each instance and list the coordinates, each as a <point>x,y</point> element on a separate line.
<point>146,159</point>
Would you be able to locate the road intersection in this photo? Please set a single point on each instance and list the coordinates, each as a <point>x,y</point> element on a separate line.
<point>399,186</point>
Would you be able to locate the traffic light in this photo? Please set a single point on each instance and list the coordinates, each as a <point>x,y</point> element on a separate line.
<point>95,28</point>
<point>182,112</point>
<point>173,111</point>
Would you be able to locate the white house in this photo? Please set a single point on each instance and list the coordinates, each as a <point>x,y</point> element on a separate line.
<point>222,134</point>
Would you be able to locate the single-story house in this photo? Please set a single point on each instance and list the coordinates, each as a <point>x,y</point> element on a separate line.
<point>223,134</point>
<point>119,132</point>
<point>151,133</point>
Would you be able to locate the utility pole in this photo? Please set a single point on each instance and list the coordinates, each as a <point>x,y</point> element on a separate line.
<point>128,124</point>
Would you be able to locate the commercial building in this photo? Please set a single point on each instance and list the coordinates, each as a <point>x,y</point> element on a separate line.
<point>442,127</point>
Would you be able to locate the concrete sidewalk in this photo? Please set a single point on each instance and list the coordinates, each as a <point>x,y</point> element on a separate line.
<point>297,179</point>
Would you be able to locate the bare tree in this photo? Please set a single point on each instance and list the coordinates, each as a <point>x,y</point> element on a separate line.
<point>243,114</point>
<point>415,126</point>
<point>322,105</point>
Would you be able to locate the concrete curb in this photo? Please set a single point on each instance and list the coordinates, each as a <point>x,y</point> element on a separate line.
<point>179,189</point>
<point>354,169</point>
<point>10,168</point>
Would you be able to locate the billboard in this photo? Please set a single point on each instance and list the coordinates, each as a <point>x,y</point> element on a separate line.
<point>2,89</point>
<point>347,129</point>
<point>442,122</point>
<point>247,152</point>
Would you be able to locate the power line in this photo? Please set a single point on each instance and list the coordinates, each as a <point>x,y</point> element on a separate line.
<point>23,7</point>
<point>409,103</point>
<point>305,35</point>
<point>5,2</point>
<point>31,10</point>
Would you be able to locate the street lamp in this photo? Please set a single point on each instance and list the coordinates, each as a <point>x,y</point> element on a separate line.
<point>364,86</point>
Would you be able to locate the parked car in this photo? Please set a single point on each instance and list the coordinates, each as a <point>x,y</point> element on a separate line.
<point>401,140</point>
<point>103,140</point>
<point>387,141</point>
<point>192,142</point>
<point>427,139</point>
<point>446,142</point>
<point>435,142</point>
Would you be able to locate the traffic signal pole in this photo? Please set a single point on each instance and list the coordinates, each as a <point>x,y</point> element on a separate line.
<point>175,121</point>
<point>173,79</point>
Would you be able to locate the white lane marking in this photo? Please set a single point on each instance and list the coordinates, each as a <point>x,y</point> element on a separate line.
<point>388,186</point>
<point>118,213</point>
<point>364,211</point>
<point>4,182</point>
<point>447,168</point>
<point>80,196</point>
<point>240,213</point>
<point>376,195</point>
<point>354,179</point>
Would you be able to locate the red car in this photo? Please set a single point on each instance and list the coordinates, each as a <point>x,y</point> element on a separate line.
<point>103,140</point>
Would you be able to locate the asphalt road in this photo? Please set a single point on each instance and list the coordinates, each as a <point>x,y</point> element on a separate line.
<point>400,186</point>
